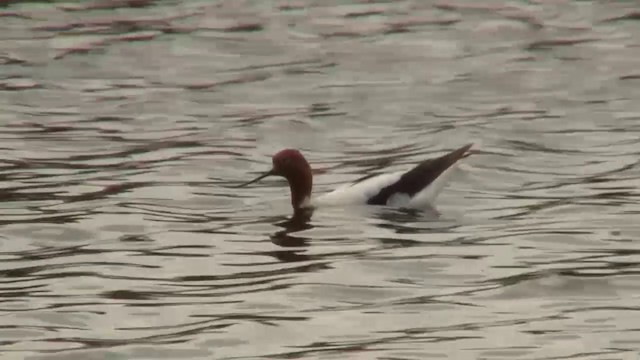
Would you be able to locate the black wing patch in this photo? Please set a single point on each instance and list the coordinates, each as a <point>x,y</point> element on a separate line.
<point>416,179</point>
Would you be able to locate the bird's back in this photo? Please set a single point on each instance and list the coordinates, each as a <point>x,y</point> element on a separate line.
<point>416,188</point>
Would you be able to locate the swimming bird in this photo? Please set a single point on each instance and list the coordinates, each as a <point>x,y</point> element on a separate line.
<point>416,188</point>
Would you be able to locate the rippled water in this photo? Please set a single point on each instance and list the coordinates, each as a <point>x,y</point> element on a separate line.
<point>122,129</point>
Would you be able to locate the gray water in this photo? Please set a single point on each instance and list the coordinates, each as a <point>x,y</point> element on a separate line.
<point>123,129</point>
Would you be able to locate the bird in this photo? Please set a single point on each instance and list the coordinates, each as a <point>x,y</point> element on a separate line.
<point>415,189</point>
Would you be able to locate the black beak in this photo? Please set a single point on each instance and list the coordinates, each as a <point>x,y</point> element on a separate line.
<point>268,173</point>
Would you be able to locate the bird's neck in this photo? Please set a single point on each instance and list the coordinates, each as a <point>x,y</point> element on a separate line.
<point>300,186</point>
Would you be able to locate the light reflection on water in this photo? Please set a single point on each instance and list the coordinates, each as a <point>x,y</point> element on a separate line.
<point>123,129</point>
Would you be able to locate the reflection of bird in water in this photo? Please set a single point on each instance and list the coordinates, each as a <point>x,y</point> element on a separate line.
<point>282,238</point>
<point>407,215</point>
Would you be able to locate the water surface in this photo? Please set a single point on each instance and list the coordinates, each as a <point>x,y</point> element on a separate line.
<point>124,124</point>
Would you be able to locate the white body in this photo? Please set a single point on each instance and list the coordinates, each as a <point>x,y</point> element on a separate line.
<point>362,191</point>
